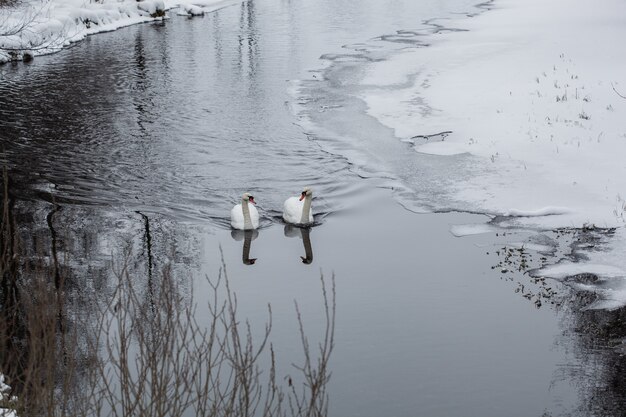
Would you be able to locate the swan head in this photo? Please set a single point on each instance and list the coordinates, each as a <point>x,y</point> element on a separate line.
<point>248,197</point>
<point>307,191</point>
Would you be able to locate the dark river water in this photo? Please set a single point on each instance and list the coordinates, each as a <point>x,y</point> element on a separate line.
<point>181,117</point>
<point>137,143</point>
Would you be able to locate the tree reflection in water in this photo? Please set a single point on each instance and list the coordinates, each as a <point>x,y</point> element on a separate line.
<point>113,328</point>
<point>594,339</point>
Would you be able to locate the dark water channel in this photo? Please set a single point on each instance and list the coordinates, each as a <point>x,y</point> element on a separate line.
<point>137,143</point>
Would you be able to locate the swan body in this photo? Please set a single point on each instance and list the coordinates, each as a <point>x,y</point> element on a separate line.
<point>297,210</point>
<point>245,216</point>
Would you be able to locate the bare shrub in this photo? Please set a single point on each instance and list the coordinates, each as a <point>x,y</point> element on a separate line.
<point>24,31</point>
<point>42,349</point>
<point>6,3</point>
<point>312,400</point>
<point>143,351</point>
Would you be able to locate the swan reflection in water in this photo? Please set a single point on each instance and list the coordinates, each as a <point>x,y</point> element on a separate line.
<point>303,232</point>
<point>247,236</point>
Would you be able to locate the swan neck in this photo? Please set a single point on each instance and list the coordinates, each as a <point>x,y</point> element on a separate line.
<point>306,209</point>
<point>247,221</point>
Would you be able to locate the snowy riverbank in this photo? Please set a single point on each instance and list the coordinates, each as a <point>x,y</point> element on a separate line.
<point>533,89</point>
<point>36,27</point>
<point>5,399</point>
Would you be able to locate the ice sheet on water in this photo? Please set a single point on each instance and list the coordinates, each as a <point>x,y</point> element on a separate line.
<point>530,136</point>
<point>441,148</point>
<point>544,211</point>
<point>600,270</point>
<point>535,247</point>
<point>521,146</point>
<point>460,230</point>
<point>567,269</point>
<point>330,110</point>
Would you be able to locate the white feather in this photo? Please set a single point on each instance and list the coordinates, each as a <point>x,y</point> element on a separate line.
<point>237,220</point>
<point>293,207</point>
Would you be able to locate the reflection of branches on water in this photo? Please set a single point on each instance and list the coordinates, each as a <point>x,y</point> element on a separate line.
<point>519,264</point>
<point>515,264</point>
<point>12,328</point>
<point>147,238</point>
<point>247,47</point>
<point>313,398</point>
<point>595,339</point>
<point>167,360</point>
<point>53,248</point>
<point>37,332</point>
<point>119,355</point>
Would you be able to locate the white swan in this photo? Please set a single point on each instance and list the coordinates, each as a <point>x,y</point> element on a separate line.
<point>297,211</point>
<point>244,216</point>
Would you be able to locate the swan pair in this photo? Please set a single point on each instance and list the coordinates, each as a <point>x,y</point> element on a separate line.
<point>296,210</point>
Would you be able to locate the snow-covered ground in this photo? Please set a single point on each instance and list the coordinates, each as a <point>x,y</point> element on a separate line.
<point>5,398</point>
<point>533,89</point>
<point>36,27</point>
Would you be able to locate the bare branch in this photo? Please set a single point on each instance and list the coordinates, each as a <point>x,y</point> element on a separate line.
<point>24,29</point>
<point>139,350</point>
<point>617,92</point>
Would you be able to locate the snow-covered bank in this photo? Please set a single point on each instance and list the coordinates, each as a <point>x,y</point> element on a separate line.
<point>530,89</point>
<point>36,27</point>
<point>533,89</point>
<point>5,398</point>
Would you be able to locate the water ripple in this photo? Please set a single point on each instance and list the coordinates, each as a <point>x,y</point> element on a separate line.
<point>149,132</point>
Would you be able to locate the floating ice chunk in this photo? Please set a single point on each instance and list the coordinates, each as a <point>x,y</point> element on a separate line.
<point>608,304</point>
<point>442,148</point>
<point>460,230</point>
<point>568,269</point>
<point>536,247</point>
<point>612,294</point>
<point>610,285</point>
<point>546,211</point>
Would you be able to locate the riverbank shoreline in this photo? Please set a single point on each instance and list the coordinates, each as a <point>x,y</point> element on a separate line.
<point>161,128</point>
<point>418,308</point>
<point>34,28</point>
<point>527,91</point>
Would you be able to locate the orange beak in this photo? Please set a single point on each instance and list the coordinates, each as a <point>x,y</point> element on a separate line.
<point>302,196</point>
<point>252,200</point>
